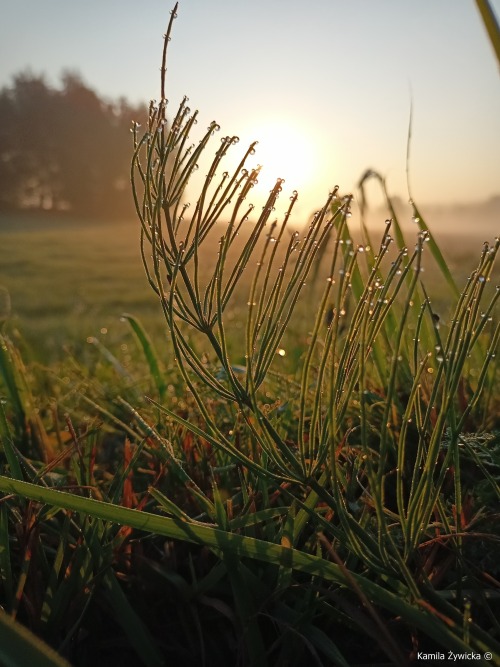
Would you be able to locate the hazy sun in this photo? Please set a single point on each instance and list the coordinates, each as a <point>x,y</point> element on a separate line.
<point>284,151</point>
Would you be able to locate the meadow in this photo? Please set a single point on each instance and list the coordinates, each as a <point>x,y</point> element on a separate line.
<point>68,279</point>
<point>71,279</point>
<point>286,453</point>
<point>227,460</point>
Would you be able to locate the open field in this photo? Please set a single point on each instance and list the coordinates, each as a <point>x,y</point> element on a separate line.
<point>72,279</point>
<point>68,280</point>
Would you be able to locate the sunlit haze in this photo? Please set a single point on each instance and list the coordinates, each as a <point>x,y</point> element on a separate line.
<point>324,86</point>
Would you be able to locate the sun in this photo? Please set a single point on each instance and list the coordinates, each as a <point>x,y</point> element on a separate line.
<point>284,151</point>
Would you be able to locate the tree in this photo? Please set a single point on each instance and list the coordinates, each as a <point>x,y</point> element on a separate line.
<point>64,149</point>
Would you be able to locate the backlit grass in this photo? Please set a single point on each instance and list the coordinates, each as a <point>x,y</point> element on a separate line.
<point>308,471</point>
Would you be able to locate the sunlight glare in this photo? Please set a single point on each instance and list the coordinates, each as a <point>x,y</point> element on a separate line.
<point>284,151</point>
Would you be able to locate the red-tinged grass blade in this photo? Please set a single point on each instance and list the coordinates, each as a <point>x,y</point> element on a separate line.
<point>20,648</point>
<point>445,632</point>
<point>128,497</point>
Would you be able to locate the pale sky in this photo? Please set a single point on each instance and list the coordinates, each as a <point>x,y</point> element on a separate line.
<point>333,78</point>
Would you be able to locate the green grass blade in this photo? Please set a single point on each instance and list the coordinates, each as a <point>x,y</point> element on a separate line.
<point>8,376</point>
<point>5,566</point>
<point>260,550</point>
<point>491,25</point>
<point>436,252</point>
<point>149,353</point>
<point>136,631</point>
<point>242,587</point>
<point>21,648</point>
<point>8,447</point>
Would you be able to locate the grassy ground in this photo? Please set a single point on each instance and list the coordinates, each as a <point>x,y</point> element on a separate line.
<point>263,518</point>
<point>190,556</point>
<point>72,279</point>
<point>69,280</point>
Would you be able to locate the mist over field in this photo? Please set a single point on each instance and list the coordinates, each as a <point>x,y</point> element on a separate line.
<point>464,219</point>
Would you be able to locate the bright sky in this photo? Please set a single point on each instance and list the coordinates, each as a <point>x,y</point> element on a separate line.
<point>329,78</point>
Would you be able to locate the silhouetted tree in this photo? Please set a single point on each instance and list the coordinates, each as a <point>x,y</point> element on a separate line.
<point>64,149</point>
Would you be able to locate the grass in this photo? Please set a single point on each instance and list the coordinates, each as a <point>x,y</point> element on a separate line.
<point>220,503</point>
<point>69,279</point>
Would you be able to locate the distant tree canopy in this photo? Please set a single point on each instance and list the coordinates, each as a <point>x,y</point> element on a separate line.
<point>64,148</point>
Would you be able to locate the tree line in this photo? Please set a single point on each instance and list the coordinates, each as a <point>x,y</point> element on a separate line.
<point>64,148</point>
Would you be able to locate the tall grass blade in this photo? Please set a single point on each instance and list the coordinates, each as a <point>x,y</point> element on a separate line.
<point>19,647</point>
<point>137,633</point>
<point>491,24</point>
<point>444,633</point>
<point>6,579</point>
<point>149,353</point>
